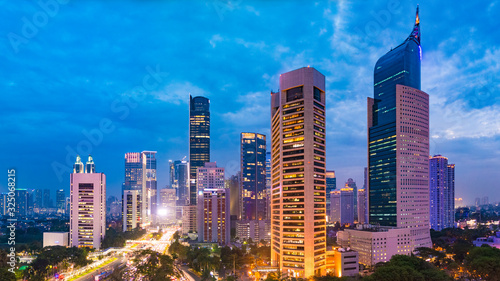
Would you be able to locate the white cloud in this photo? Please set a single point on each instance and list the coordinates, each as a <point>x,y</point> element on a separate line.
<point>215,38</point>
<point>178,93</point>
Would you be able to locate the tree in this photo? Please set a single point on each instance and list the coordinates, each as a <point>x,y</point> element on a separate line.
<point>406,268</point>
<point>484,263</point>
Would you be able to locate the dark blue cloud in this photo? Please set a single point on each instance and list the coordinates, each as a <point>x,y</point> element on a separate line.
<point>87,63</point>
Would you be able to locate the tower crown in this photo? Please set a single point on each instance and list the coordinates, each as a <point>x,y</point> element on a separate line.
<point>415,33</point>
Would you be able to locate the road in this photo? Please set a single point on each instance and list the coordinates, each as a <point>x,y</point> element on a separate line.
<point>91,275</point>
<point>190,276</point>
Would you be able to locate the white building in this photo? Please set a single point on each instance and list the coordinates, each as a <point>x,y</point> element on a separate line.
<point>88,206</point>
<point>55,239</point>
<point>255,229</point>
<point>342,205</point>
<point>131,209</point>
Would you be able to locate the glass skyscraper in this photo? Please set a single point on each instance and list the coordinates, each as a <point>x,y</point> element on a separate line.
<point>398,142</point>
<point>253,176</point>
<point>199,140</point>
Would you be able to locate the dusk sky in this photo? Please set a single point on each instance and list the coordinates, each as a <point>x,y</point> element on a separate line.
<point>129,67</point>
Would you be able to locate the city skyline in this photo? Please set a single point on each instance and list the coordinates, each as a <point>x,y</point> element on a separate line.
<point>464,115</point>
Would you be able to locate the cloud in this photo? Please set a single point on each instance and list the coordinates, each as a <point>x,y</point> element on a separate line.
<point>215,38</point>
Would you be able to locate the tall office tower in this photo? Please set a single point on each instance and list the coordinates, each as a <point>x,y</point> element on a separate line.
<point>167,208</point>
<point>88,207</point>
<point>37,200</point>
<point>342,205</point>
<point>213,215</point>
<point>179,181</point>
<point>331,185</point>
<point>442,193</point>
<point>3,203</point>
<point>131,204</point>
<point>362,207</point>
<point>31,202</point>
<point>140,174</point>
<point>21,203</point>
<point>113,207</point>
<point>352,184</point>
<point>199,140</point>
<point>253,176</point>
<point>477,202</point>
<point>47,202</point>
<point>298,174</point>
<point>268,183</point>
<point>60,200</point>
<point>398,143</point>
<point>233,184</point>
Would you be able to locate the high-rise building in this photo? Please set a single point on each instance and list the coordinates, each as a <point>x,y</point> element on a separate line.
<point>298,238</point>
<point>352,184</point>
<point>342,205</point>
<point>233,184</point>
<point>199,140</point>
<point>88,206</point>
<point>362,207</point>
<point>140,174</point>
<point>21,203</point>
<point>167,208</point>
<point>47,201</point>
<point>398,149</point>
<point>442,193</point>
<point>477,202</point>
<point>114,207</point>
<point>268,183</point>
<point>256,230</point>
<point>331,185</point>
<point>37,200</point>
<point>213,215</point>
<point>210,176</point>
<point>179,180</point>
<point>61,200</point>
<point>365,178</point>
<point>253,176</point>
<point>132,209</point>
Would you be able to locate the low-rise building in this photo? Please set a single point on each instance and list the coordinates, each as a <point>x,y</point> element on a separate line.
<point>55,239</point>
<point>492,241</point>
<point>342,262</point>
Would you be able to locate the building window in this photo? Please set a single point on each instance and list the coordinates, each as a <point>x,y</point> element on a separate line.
<point>294,94</point>
<point>317,94</point>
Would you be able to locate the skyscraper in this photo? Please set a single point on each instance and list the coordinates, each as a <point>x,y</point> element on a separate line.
<point>298,238</point>
<point>132,209</point>
<point>140,175</point>
<point>362,207</point>
<point>331,185</point>
<point>179,181</point>
<point>21,203</point>
<point>253,176</point>
<point>88,206</point>
<point>442,193</point>
<point>352,184</point>
<point>37,200</point>
<point>268,183</point>
<point>199,140</point>
<point>398,142</point>
<point>47,202</point>
<point>342,206</point>
<point>233,184</point>
<point>60,200</point>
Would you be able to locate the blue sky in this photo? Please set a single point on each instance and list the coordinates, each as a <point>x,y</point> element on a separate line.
<point>126,69</point>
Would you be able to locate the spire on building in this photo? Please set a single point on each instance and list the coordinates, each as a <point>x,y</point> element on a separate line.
<point>78,166</point>
<point>90,166</point>
<point>415,34</point>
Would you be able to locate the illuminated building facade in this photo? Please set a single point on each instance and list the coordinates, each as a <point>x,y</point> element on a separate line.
<point>213,215</point>
<point>131,209</point>
<point>253,176</point>
<point>442,193</point>
<point>199,140</point>
<point>398,142</point>
<point>140,175</point>
<point>331,185</point>
<point>179,180</point>
<point>342,205</point>
<point>362,207</point>
<point>298,219</point>
<point>167,208</point>
<point>88,206</point>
